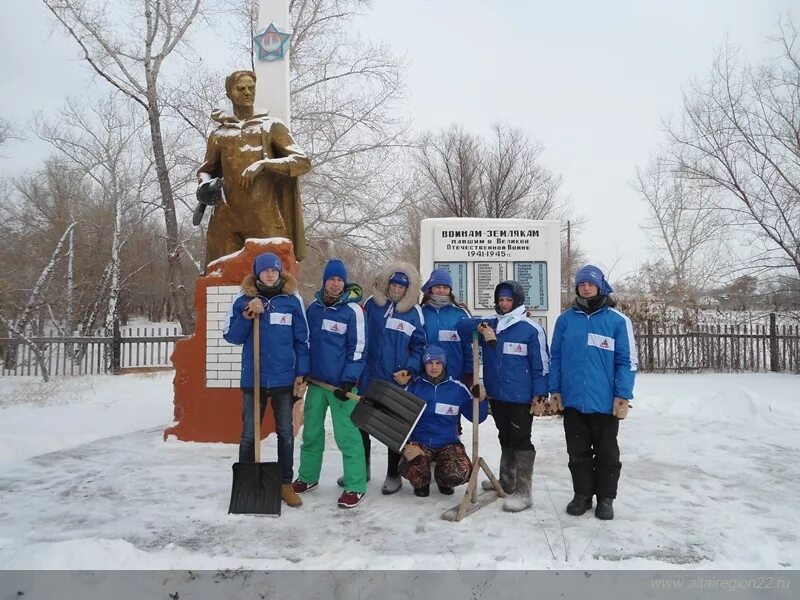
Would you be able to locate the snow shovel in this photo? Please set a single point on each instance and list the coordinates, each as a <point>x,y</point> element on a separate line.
<point>473,501</point>
<point>385,411</point>
<point>256,486</point>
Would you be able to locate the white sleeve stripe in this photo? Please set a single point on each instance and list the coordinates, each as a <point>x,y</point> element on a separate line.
<point>421,316</point>
<point>229,316</point>
<point>305,318</point>
<point>634,356</point>
<point>542,345</point>
<point>361,338</point>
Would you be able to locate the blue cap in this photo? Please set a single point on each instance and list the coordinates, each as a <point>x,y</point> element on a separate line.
<point>399,278</point>
<point>438,277</point>
<point>268,260</point>
<point>593,275</point>
<point>334,268</point>
<point>505,291</point>
<point>434,353</point>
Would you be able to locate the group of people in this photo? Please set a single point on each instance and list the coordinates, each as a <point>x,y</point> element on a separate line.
<point>338,345</point>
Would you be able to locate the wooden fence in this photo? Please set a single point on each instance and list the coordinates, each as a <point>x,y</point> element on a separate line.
<point>669,347</point>
<point>104,352</point>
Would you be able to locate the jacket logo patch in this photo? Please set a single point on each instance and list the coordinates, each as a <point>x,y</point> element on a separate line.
<point>334,326</point>
<point>516,348</point>
<point>446,409</point>
<point>600,341</point>
<point>448,335</point>
<point>280,318</point>
<point>400,325</point>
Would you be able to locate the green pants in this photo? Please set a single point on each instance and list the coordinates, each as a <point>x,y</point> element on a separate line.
<point>346,434</point>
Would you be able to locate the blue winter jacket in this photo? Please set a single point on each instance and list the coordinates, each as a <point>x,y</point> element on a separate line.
<point>338,338</point>
<point>440,329</point>
<point>593,359</point>
<point>515,370</point>
<point>284,352</point>
<point>396,341</point>
<point>444,403</point>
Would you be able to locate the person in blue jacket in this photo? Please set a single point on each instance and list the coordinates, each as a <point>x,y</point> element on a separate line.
<point>396,340</point>
<point>442,315</point>
<point>593,366</point>
<point>338,349</point>
<point>283,352</point>
<point>515,366</point>
<point>434,439</point>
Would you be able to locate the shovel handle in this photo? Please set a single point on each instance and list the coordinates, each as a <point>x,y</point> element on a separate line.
<point>257,386</point>
<point>332,388</point>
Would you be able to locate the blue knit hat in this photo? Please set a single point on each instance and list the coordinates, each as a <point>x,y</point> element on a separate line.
<point>268,260</point>
<point>400,278</point>
<point>438,277</point>
<point>434,353</point>
<point>334,268</point>
<point>505,291</point>
<point>591,274</point>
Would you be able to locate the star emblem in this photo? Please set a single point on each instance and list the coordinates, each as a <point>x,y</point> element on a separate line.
<point>272,42</point>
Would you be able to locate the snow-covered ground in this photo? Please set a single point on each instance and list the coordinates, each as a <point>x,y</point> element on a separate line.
<point>710,479</point>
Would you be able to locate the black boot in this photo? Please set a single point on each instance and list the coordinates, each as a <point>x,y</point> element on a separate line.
<point>521,498</point>
<point>423,491</point>
<point>579,505</point>
<point>508,472</point>
<point>605,509</point>
<point>443,489</point>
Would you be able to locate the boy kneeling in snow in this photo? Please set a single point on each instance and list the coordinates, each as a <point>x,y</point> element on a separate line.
<point>435,437</point>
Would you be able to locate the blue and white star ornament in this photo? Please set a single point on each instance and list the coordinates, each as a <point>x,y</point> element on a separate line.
<point>272,42</point>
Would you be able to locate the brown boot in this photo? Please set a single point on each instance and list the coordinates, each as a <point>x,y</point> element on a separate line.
<point>289,496</point>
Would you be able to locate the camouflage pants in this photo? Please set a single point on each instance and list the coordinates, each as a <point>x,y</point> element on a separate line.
<point>452,466</point>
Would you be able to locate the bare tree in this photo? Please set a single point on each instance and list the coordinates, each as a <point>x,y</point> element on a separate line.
<point>501,176</point>
<point>7,131</point>
<point>130,53</point>
<point>684,222</point>
<point>741,135</point>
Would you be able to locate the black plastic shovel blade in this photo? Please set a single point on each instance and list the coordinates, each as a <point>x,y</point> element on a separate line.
<point>256,489</point>
<point>388,413</point>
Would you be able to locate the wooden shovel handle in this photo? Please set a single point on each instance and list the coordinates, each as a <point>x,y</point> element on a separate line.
<point>332,388</point>
<point>257,386</point>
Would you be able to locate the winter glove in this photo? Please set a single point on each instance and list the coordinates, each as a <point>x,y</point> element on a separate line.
<point>488,334</point>
<point>402,377</point>
<point>412,451</point>
<point>253,308</point>
<point>478,391</point>
<point>341,392</point>
<point>538,406</point>
<point>621,407</point>
<point>299,388</point>
<point>555,402</point>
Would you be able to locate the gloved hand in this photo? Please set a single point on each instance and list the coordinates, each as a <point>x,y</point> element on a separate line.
<point>341,392</point>
<point>478,391</point>
<point>488,334</point>
<point>253,308</point>
<point>299,387</point>
<point>538,406</point>
<point>621,407</point>
<point>412,451</point>
<point>555,402</point>
<point>402,377</point>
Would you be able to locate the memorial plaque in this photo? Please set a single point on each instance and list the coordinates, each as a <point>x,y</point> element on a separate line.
<point>532,276</point>
<point>487,276</point>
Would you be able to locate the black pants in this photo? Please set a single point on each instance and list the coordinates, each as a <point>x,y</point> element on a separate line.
<point>513,423</point>
<point>393,459</point>
<point>593,452</point>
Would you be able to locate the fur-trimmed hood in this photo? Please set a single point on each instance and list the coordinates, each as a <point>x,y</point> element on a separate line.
<point>381,286</point>
<point>249,284</point>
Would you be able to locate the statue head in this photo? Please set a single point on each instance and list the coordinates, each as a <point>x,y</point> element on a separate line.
<point>240,87</point>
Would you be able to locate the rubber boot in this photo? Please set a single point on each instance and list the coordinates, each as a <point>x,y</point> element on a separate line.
<point>423,491</point>
<point>391,484</point>
<point>508,472</point>
<point>579,505</point>
<point>521,498</point>
<point>605,509</point>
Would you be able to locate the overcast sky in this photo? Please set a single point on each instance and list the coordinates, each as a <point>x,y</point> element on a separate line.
<point>591,80</point>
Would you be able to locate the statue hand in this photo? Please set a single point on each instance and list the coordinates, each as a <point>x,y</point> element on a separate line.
<point>250,173</point>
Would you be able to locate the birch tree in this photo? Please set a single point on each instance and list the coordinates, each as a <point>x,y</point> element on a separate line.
<point>130,54</point>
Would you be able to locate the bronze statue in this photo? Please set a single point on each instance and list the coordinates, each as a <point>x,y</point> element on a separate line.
<point>258,161</point>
